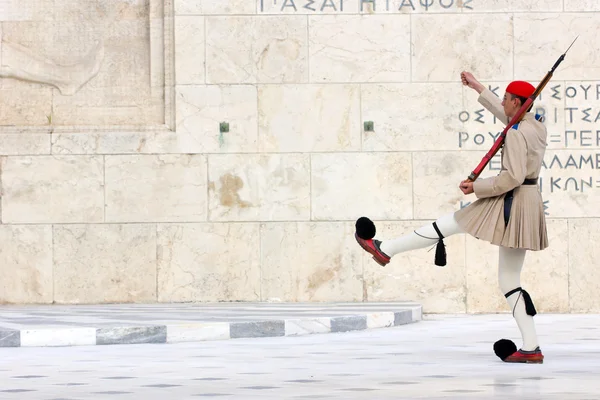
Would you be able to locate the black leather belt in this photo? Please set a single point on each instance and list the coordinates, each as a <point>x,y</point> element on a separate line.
<point>508,199</point>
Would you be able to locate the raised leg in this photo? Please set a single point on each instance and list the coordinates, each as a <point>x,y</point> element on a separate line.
<point>427,235</point>
<point>423,237</point>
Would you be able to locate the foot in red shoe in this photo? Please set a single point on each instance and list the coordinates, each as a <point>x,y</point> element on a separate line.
<point>528,357</point>
<point>372,247</point>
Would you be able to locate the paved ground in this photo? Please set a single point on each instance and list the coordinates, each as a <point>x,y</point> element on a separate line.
<point>39,326</point>
<point>447,357</point>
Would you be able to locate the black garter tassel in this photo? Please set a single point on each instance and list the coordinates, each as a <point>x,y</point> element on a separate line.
<point>529,307</point>
<point>440,249</point>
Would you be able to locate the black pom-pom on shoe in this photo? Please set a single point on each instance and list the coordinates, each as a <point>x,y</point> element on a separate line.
<point>504,348</point>
<point>365,228</point>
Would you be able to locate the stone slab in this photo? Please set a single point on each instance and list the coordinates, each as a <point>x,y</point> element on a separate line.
<point>351,323</point>
<point>132,335</point>
<point>10,338</point>
<point>257,329</point>
<point>122,324</point>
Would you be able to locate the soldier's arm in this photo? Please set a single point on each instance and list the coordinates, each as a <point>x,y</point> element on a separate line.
<point>493,104</point>
<point>486,98</point>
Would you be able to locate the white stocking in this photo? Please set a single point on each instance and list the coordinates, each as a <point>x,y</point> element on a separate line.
<point>423,237</point>
<point>509,278</point>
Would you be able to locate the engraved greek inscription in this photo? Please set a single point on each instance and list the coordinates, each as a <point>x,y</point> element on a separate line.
<point>426,4</point>
<point>404,5</point>
<point>308,5</point>
<point>288,3</point>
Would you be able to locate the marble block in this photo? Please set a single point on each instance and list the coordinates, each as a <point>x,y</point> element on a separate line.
<point>381,320</point>
<point>266,49</point>
<point>411,116</point>
<point>359,48</point>
<point>346,324</point>
<point>405,317</point>
<point>58,337</point>
<point>257,329</point>
<point>104,263</point>
<point>145,188</point>
<point>506,6</point>
<point>27,105</point>
<point>14,144</point>
<point>112,106</point>
<point>583,260</point>
<point>131,335</point>
<point>348,186</point>
<point>52,189</point>
<point>413,275</point>
<point>180,333</point>
<point>259,187</point>
<point>19,10</point>
<point>570,183</point>
<point>119,142</point>
<point>533,61</point>
<point>98,64</point>
<point>307,261</point>
<point>208,262</point>
<point>307,118</point>
<point>25,264</point>
<point>200,7</point>
<point>189,50</point>
<point>10,338</point>
<point>298,327</point>
<point>201,109</point>
<point>483,47</point>
<point>436,179</point>
<point>581,5</point>
<point>545,274</point>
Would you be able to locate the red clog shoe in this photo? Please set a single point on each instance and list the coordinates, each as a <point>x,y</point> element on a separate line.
<point>372,247</point>
<point>529,357</point>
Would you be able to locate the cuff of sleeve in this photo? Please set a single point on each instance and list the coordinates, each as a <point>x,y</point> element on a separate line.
<point>482,188</point>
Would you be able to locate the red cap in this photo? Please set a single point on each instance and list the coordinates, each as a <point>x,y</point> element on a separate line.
<point>520,88</point>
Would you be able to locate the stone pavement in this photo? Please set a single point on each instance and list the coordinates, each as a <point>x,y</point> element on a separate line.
<point>80,325</point>
<point>441,357</point>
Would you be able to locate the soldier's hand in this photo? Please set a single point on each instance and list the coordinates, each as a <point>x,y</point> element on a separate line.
<point>466,187</point>
<point>469,80</point>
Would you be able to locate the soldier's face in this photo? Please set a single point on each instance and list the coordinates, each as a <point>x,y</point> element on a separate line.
<point>510,104</point>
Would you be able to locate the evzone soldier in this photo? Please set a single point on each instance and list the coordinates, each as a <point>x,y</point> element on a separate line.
<point>508,213</point>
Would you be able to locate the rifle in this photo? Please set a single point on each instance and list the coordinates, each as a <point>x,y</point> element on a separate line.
<point>500,141</point>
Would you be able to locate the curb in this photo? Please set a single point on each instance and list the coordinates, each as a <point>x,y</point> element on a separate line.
<point>205,331</point>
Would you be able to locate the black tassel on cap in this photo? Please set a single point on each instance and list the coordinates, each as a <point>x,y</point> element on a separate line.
<point>440,250</point>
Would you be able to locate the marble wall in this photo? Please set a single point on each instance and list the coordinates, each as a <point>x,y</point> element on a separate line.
<point>203,150</point>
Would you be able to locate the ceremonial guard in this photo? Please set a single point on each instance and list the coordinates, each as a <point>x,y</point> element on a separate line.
<point>508,212</point>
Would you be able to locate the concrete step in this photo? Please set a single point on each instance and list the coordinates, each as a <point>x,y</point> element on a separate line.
<point>112,324</point>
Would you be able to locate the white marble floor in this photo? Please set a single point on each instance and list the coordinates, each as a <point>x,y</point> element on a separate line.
<point>442,357</point>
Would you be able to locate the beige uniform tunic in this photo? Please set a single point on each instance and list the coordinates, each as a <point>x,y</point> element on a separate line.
<point>522,156</point>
